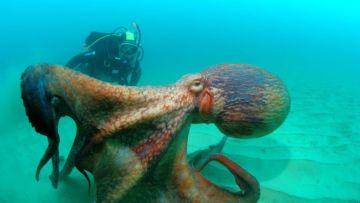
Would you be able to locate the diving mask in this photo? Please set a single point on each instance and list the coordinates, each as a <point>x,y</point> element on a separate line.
<point>129,46</point>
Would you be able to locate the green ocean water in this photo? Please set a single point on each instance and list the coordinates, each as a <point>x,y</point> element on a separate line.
<point>313,46</point>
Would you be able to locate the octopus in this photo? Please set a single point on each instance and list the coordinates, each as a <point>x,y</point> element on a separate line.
<point>133,140</point>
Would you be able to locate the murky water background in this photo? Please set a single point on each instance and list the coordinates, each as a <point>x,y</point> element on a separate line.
<point>313,46</point>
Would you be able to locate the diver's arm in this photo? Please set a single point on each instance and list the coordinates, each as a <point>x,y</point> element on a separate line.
<point>80,59</point>
<point>75,61</point>
<point>135,75</point>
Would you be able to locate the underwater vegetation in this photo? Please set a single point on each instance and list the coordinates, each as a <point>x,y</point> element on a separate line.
<point>133,140</point>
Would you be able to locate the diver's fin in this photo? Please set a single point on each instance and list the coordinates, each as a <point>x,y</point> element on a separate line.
<point>198,158</point>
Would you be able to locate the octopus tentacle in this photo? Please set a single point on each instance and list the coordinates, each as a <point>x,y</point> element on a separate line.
<point>49,153</point>
<point>250,189</point>
<point>54,177</point>
<point>39,109</point>
<point>74,151</point>
<point>83,172</point>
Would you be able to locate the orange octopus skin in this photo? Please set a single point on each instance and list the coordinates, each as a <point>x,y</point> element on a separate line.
<point>133,139</point>
<point>206,102</point>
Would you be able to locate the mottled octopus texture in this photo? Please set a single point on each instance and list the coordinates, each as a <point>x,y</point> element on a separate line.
<point>133,139</point>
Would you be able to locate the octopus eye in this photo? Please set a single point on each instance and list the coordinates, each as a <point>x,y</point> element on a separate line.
<point>196,86</point>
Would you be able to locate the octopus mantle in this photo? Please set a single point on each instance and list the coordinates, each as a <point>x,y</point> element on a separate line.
<point>133,139</point>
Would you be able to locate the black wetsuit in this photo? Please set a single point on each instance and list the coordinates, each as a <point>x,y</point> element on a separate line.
<point>101,63</point>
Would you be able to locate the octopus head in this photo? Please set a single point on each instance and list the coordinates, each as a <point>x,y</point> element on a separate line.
<point>242,100</point>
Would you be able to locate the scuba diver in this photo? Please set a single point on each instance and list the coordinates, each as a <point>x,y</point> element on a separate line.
<point>113,57</point>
